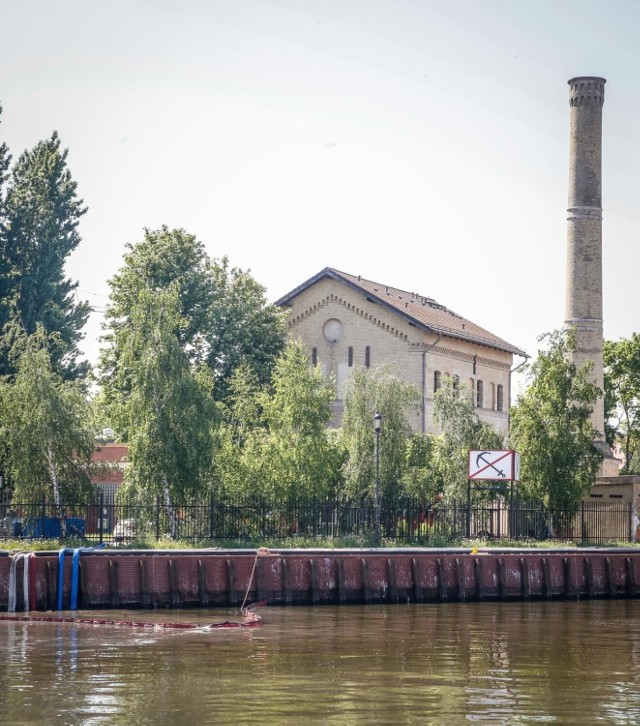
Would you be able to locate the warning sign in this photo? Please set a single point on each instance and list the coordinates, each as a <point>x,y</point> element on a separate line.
<point>499,465</point>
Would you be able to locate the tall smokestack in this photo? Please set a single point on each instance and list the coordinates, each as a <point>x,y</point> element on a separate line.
<point>583,306</point>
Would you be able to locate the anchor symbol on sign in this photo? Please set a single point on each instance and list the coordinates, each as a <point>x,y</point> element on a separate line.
<point>480,458</point>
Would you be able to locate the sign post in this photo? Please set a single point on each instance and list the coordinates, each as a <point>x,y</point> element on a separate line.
<point>503,465</point>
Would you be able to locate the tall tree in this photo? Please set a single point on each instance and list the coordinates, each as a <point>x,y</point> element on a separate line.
<point>369,391</point>
<point>226,320</point>
<point>622,398</point>
<point>42,213</point>
<point>551,425</point>
<point>304,462</point>
<point>169,413</point>
<point>45,425</point>
<point>5,267</point>
<point>242,328</point>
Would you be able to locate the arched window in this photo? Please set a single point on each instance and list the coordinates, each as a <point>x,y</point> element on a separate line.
<point>456,384</point>
<point>367,356</point>
<point>500,399</point>
<point>472,390</point>
<point>350,356</point>
<point>436,381</point>
<point>479,394</point>
<point>314,356</point>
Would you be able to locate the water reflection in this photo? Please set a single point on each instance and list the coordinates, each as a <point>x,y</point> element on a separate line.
<point>497,663</point>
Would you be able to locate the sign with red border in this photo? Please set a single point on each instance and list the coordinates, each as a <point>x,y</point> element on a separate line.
<point>494,465</point>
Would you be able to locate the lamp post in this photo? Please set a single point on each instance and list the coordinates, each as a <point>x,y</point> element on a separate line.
<point>377,426</point>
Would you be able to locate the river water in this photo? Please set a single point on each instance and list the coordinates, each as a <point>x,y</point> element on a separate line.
<point>492,663</point>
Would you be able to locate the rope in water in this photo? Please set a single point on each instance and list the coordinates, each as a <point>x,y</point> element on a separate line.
<point>249,623</point>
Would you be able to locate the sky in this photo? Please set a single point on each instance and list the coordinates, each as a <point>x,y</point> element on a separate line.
<point>423,144</point>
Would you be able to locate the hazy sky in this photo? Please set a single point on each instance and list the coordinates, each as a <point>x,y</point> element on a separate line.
<point>423,144</point>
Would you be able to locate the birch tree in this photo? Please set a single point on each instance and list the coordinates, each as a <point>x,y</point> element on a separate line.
<point>45,426</point>
<point>168,413</point>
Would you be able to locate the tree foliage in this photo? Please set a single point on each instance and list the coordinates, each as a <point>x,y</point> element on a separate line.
<point>462,431</point>
<point>45,425</point>
<point>275,441</point>
<point>622,398</point>
<point>422,476</point>
<point>369,391</point>
<point>169,413</point>
<point>40,217</point>
<point>551,425</point>
<point>226,321</point>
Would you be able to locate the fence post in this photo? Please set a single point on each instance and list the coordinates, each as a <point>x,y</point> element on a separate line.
<point>100,513</point>
<point>582,523</point>
<point>630,519</point>
<point>157,517</point>
<point>212,503</point>
<point>468,508</point>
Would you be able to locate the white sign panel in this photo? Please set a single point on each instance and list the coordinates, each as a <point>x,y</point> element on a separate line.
<point>494,465</point>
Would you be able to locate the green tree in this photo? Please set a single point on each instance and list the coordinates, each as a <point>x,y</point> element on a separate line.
<point>226,320</point>
<point>45,425</point>
<point>462,431</point>
<point>242,328</point>
<point>41,217</point>
<point>622,398</point>
<point>422,476</point>
<point>240,436</point>
<point>275,442</point>
<point>304,463</point>
<point>5,267</point>
<point>551,425</point>
<point>369,391</point>
<point>169,412</point>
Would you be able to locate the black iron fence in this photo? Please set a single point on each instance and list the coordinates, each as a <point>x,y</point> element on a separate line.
<point>406,522</point>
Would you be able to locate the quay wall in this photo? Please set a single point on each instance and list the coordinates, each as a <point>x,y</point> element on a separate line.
<point>209,578</point>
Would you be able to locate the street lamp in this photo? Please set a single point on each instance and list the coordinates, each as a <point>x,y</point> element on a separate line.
<point>377,426</point>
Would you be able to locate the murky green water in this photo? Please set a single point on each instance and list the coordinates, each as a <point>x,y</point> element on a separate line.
<point>494,663</point>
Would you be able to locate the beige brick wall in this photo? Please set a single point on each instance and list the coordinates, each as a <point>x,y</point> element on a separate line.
<point>391,339</point>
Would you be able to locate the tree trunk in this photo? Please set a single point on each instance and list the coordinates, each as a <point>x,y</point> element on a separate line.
<point>56,489</point>
<point>171,510</point>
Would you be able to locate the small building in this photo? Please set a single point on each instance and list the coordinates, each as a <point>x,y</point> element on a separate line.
<point>110,461</point>
<point>346,321</point>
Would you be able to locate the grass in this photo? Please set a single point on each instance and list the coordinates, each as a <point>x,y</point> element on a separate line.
<point>38,545</point>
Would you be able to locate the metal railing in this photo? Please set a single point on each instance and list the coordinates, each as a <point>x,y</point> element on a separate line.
<point>405,522</point>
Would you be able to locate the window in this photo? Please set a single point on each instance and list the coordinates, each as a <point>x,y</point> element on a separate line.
<point>479,394</point>
<point>367,356</point>
<point>314,356</point>
<point>350,354</point>
<point>455,382</point>
<point>475,360</point>
<point>436,381</point>
<point>472,390</point>
<point>500,398</point>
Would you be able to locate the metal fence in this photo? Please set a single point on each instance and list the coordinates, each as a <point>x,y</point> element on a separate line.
<point>406,522</point>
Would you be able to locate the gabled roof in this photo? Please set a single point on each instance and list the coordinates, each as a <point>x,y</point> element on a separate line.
<point>423,312</point>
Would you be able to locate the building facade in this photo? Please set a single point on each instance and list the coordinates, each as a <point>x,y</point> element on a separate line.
<point>347,321</point>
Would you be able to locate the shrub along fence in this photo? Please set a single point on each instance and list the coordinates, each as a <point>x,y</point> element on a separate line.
<point>404,522</point>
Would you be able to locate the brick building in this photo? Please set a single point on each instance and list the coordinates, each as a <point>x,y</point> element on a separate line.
<point>346,321</point>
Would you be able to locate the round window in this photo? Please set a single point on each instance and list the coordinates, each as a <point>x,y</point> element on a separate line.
<point>332,330</point>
